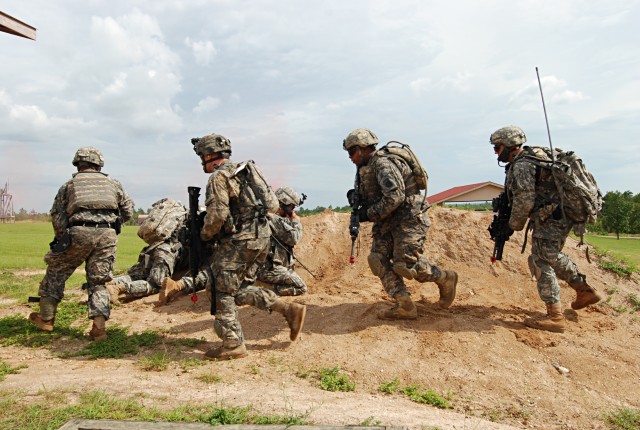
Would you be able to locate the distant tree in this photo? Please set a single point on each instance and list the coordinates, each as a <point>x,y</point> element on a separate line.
<point>634,217</point>
<point>617,211</point>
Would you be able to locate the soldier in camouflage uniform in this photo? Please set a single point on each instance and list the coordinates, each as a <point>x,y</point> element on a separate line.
<point>533,195</point>
<point>286,232</point>
<point>155,263</point>
<point>392,201</point>
<point>236,219</point>
<point>88,210</point>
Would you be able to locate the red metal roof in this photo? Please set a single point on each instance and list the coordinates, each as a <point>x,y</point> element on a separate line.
<point>458,191</point>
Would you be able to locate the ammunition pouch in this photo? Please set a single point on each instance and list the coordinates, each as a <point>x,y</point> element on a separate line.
<point>61,244</point>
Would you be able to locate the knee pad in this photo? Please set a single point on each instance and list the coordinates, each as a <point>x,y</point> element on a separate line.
<point>377,263</point>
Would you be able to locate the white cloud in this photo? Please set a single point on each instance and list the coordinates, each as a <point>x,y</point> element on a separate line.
<point>206,105</point>
<point>203,51</point>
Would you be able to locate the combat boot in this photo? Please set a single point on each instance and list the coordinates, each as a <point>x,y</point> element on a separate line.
<point>404,309</point>
<point>294,313</point>
<point>170,290</point>
<point>554,320</point>
<point>222,353</point>
<point>35,319</point>
<point>115,289</point>
<point>447,286</point>
<point>585,295</point>
<point>98,330</point>
<point>45,319</point>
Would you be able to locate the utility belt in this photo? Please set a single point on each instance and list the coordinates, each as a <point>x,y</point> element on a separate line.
<point>94,224</point>
<point>116,225</point>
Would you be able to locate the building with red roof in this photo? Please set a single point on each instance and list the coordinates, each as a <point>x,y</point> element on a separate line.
<point>480,192</point>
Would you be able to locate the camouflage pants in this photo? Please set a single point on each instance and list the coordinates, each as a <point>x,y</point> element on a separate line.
<point>201,282</point>
<point>397,251</point>
<point>548,239</point>
<point>145,277</point>
<point>96,247</point>
<point>285,281</point>
<point>234,267</point>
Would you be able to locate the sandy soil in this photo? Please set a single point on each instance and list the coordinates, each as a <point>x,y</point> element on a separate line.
<point>500,374</point>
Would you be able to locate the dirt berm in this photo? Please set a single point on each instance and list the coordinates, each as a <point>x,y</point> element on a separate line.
<point>478,352</point>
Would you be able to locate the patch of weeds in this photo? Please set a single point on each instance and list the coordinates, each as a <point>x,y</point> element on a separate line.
<point>390,387</point>
<point>623,419</point>
<point>370,421</point>
<point>7,369</point>
<point>244,415</point>
<point>333,379</point>
<point>275,361</point>
<point>429,396</point>
<point>619,266</point>
<point>188,364</point>
<point>254,369</point>
<point>119,343</point>
<point>209,378</point>
<point>155,362</point>
<point>635,302</point>
<point>620,309</point>
<point>17,330</point>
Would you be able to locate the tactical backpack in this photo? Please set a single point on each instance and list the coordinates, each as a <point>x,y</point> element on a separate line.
<point>580,195</point>
<point>263,191</point>
<point>164,218</point>
<point>405,153</point>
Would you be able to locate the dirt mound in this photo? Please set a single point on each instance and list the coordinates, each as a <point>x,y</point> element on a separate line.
<point>478,351</point>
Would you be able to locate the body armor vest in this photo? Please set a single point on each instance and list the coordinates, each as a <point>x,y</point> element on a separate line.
<point>91,190</point>
<point>369,189</point>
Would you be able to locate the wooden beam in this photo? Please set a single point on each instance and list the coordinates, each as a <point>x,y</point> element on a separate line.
<point>9,24</point>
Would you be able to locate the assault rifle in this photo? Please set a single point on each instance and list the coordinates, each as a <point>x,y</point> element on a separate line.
<point>354,222</point>
<point>499,229</point>
<point>197,255</point>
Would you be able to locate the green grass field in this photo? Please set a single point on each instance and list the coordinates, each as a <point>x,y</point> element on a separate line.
<point>624,248</point>
<point>23,246</point>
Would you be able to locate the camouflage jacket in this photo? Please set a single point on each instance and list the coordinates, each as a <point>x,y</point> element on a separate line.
<point>532,191</point>
<point>288,232</point>
<point>231,207</point>
<point>62,220</point>
<point>382,185</point>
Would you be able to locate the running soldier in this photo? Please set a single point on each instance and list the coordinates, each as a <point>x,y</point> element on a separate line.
<point>533,195</point>
<point>389,196</point>
<point>86,215</point>
<point>286,232</point>
<point>237,202</point>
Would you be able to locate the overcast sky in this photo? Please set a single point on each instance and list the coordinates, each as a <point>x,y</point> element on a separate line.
<point>287,80</point>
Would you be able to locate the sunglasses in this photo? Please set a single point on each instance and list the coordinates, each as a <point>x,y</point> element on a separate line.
<point>352,151</point>
<point>497,147</point>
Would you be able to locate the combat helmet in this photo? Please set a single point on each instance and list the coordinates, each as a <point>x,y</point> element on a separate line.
<point>88,154</point>
<point>508,136</point>
<point>210,144</point>
<point>360,137</point>
<point>287,196</point>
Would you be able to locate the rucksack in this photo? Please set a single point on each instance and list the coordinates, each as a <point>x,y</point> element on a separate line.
<point>405,153</point>
<point>261,189</point>
<point>164,218</point>
<point>581,197</point>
